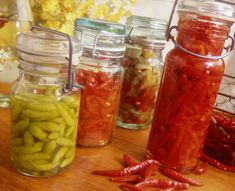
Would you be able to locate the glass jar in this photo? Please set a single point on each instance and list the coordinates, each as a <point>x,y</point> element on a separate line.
<point>101,76</point>
<point>191,78</point>
<point>45,104</point>
<point>15,17</point>
<point>143,65</point>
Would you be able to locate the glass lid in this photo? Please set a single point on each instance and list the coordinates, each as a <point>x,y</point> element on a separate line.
<point>45,44</point>
<point>100,38</point>
<point>146,31</point>
<point>209,8</point>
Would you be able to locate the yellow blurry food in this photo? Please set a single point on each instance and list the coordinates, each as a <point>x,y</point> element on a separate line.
<point>60,14</point>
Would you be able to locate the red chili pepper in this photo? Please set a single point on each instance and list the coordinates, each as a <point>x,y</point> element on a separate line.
<point>129,187</point>
<point>150,170</point>
<point>129,160</point>
<point>201,168</point>
<point>126,178</point>
<point>167,189</point>
<point>161,183</point>
<point>179,177</point>
<point>216,163</point>
<point>128,170</point>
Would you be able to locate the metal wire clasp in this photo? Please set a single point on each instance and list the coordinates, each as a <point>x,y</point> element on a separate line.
<point>69,86</point>
<point>99,35</point>
<point>228,49</point>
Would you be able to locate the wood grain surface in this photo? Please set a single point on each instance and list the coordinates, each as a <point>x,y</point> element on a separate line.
<point>78,176</point>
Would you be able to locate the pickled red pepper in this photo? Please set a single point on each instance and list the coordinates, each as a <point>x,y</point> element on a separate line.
<point>140,86</point>
<point>187,94</point>
<point>99,106</point>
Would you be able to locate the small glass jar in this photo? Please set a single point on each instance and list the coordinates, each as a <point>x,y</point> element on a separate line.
<point>101,76</point>
<point>143,65</point>
<point>191,79</point>
<point>45,104</point>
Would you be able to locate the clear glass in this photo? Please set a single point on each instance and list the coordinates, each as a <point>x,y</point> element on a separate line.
<point>188,92</point>
<point>100,38</point>
<point>44,117</point>
<point>102,83</point>
<point>141,82</point>
<point>101,75</point>
<point>15,17</point>
<point>143,67</point>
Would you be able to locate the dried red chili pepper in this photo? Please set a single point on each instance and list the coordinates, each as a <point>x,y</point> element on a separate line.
<point>162,183</point>
<point>201,168</point>
<point>150,170</point>
<point>220,139</point>
<point>216,163</point>
<point>129,160</point>
<point>126,178</point>
<point>167,189</point>
<point>129,187</point>
<point>128,170</point>
<point>179,177</point>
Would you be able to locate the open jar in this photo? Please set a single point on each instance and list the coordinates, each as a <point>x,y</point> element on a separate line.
<point>101,76</point>
<point>191,79</point>
<point>145,41</point>
<point>45,103</point>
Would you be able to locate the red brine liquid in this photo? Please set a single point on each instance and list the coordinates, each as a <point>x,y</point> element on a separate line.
<point>99,106</point>
<point>187,93</point>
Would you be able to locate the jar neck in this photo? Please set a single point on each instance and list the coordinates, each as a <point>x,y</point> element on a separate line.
<point>49,80</point>
<point>137,50</point>
<point>43,73</point>
<point>202,34</point>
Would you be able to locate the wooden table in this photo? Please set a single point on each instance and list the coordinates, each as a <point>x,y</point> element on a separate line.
<point>78,176</point>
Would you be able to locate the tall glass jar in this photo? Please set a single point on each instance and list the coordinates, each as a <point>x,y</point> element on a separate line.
<point>101,76</point>
<point>15,17</point>
<point>143,64</point>
<point>190,83</point>
<point>45,104</point>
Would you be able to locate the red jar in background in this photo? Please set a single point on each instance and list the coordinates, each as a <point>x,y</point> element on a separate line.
<point>191,79</point>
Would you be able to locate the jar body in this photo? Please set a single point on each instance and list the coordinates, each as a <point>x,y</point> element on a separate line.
<point>140,87</point>
<point>187,93</point>
<point>44,126</point>
<point>100,96</point>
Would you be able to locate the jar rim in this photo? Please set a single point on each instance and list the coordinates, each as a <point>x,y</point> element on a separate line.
<point>210,8</point>
<point>148,22</point>
<point>100,26</point>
